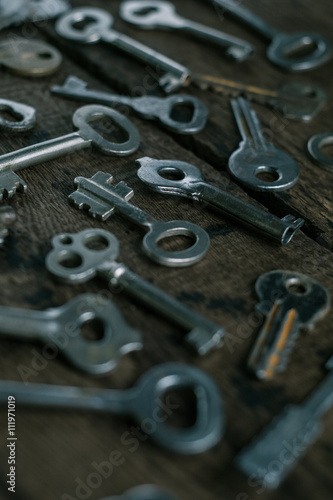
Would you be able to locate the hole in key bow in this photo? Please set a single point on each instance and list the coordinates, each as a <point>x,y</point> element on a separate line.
<point>176,242</point>
<point>171,173</point>
<point>83,23</point>
<point>143,11</point>
<point>181,407</point>
<point>182,112</point>
<point>267,174</point>
<point>9,115</point>
<point>45,55</point>
<point>295,286</point>
<point>96,242</point>
<point>300,50</point>
<point>93,330</point>
<point>106,127</point>
<point>66,240</point>
<point>70,260</point>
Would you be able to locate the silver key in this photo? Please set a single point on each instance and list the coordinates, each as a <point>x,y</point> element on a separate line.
<point>99,29</point>
<point>61,328</point>
<point>17,11</point>
<point>258,164</point>
<point>190,183</point>
<point>283,46</point>
<point>7,217</point>
<point>142,402</point>
<point>152,14</point>
<point>102,199</point>
<point>273,454</point>
<point>84,137</point>
<point>149,107</point>
<point>290,300</point>
<point>73,260</point>
<point>25,116</point>
<point>144,492</point>
<point>315,145</point>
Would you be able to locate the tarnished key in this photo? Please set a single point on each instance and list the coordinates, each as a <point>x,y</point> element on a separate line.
<point>84,137</point>
<point>189,182</point>
<point>295,100</point>
<point>153,14</point>
<point>99,29</point>
<point>290,300</point>
<point>144,492</point>
<point>257,163</point>
<point>271,456</point>
<point>143,402</point>
<point>102,199</point>
<point>25,116</point>
<point>61,327</point>
<point>149,107</point>
<point>29,57</point>
<point>74,260</point>
<point>7,217</point>
<point>283,48</point>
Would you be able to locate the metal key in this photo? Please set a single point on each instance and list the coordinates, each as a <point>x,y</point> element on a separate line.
<point>273,454</point>
<point>153,14</point>
<point>256,158</point>
<point>17,11</point>
<point>142,402</point>
<point>148,107</point>
<point>73,260</point>
<point>29,57</point>
<point>295,100</point>
<point>144,492</point>
<point>191,184</point>
<point>84,137</point>
<point>25,116</point>
<point>290,300</point>
<point>99,29</point>
<point>102,199</point>
<point>283,47</point>
<point>314,147</point>
<point>61,327</point>
<point>7,217</point>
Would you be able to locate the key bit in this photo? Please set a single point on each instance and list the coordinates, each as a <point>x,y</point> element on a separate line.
<point>7,217</point>
<point>290,300</point>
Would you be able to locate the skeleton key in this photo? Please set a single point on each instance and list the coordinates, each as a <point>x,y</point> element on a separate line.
<point>283,46</point>
<point>102,199</point>
<point>190,183</point>
<point>153,14</point>
<point>296,101</point>
<point>144,492</point>
<point>25,116</point>
<point>73,260</point>
<point>142,402</point>
<point>290,301</point>
<point>297,427</point>
<point>7,217</point>
<point>255,159</point>
<point>62,326</point>
<point>148,107</point>
<point>99,29</point>
<point>84,137</point>
<point>29,57</point>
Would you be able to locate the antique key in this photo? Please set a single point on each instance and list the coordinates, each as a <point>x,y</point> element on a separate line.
<point>314,147</point>
<point>29,57</point>
<point>256,158</point>
<point>99,29</point>
<point>276,450</point>
<point>144,492</point>
<point>290,300</point>
<point>283,48</point>
<point>148,107</point>
<point>84,137</point>
<point>189,182</point>
<point>61,328</point>
<point>18,11</point>
<point>153,14</point>
<point>295,100</point>
<point>25,116</point>
<point>74,260</point>
<point>7,217</point>
<point>102,199</point>
<point>142,402</point>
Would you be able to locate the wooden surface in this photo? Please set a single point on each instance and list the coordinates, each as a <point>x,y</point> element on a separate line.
<point>56,449</point>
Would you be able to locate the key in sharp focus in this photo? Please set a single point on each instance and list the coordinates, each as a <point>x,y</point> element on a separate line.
<point>290,300</point>
<point>143,402</point>
<point>190,183</point>
<point>144,492</point>
<point>258,164</point>
<point>102,199</point>
<point>7,217</point>
<point>61,327</point>
<point>84,137</point>
<point>271,456</point>
<point>153,14</point>
<point>73,260</point>
<point>148,107</point>
<point>284,47</point>
<point>295,100</point>
<point>99,28</point>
